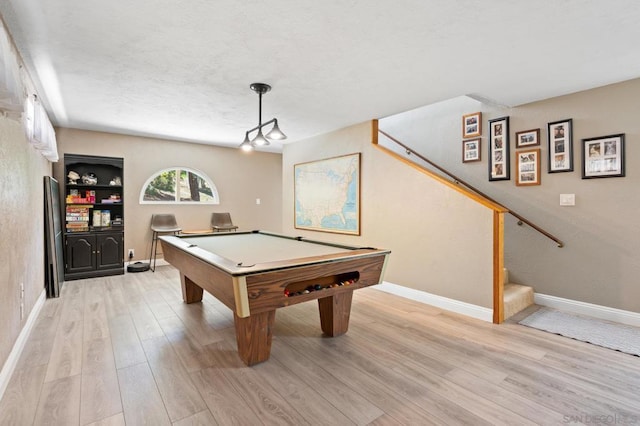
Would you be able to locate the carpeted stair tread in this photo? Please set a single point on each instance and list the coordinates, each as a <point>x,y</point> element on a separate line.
<point>516,298</point>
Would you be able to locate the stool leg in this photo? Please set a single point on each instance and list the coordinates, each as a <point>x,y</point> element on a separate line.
<point>151,251</point>
<point>154,251</point>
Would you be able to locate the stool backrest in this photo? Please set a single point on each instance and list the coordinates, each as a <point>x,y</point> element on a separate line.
<point>161,222</point>
<point>221,219</point>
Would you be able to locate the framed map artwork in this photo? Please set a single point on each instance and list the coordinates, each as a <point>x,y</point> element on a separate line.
<point>327,195</point>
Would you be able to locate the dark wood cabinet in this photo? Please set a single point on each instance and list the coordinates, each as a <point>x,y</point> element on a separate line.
<point>109,251</point>
<point>80,251</point>
<point>94,254</point>
<point>94,216</point>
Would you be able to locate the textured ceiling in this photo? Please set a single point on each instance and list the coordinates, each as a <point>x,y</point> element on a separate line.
<point>181,69</point>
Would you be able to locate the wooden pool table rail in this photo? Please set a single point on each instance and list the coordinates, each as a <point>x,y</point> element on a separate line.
<point>232,267</point>
<point>259,292</point>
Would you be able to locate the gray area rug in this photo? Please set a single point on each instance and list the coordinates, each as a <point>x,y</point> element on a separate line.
<point>623,338</point>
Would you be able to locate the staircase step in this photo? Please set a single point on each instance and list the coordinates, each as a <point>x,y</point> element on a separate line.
<point>516,298</point>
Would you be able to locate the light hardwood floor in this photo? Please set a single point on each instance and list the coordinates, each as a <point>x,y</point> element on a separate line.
<point>126,350</point>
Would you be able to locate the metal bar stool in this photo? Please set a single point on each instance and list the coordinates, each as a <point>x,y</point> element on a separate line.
<point>161,224</point>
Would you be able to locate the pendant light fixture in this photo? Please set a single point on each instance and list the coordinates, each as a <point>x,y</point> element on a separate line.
<point>261,139</point>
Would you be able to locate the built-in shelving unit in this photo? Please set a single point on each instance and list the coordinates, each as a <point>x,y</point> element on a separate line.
<point>94,216</point>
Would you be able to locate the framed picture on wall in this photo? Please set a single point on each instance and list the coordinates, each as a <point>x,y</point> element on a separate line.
<point>560,146</point>
<point>499,167</point>
<point>528,138</point>
<point>528,167</point>
<point>603,157</point>
<point>471,150</point>
<point>471,125</point>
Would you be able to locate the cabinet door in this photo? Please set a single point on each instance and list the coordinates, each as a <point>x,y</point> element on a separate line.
<point>110,251</point>
<point>81,253</point>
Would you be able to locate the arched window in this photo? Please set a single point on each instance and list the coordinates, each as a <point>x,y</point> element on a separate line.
<point>179,185</point>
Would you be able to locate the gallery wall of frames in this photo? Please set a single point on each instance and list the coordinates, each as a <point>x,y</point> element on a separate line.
<point>600,156</point>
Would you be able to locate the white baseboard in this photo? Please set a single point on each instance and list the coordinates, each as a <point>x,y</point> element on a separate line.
<point>474,311</point>
<point>12,361</point>
<point>162,262</point>
<point>589,309</point>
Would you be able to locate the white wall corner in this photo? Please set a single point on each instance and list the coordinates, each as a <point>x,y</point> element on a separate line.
<point>12,361</point>
<point>588,309</point>
<point>474,311</point>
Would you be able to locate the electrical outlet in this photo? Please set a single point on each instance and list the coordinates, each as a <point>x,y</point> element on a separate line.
<point>131,253</point>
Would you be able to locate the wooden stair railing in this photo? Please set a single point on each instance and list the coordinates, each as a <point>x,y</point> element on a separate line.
<point>470,191</point>
<point>458,181</point>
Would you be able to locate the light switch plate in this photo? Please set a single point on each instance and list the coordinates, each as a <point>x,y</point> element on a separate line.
<point>567,199</point>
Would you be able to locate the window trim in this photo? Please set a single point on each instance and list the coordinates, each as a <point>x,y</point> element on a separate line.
<point>178,169</point>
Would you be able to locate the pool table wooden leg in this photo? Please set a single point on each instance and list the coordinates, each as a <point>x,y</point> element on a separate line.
<point>334,313</point>
<point>191,292</point>
<point>253,335</point>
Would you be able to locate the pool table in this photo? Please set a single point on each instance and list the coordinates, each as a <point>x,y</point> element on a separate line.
<point>254,273</point>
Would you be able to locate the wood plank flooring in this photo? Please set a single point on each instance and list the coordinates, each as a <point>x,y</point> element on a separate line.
<point>125,350</point>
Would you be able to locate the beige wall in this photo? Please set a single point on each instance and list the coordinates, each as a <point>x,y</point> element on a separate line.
<point>408,213</point>
<point>600,263</point>
<point>21,230</point>
<point>239,177</point>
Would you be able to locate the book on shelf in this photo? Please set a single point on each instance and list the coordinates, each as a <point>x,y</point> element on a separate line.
<point>78,209</point>
<point>97,218</point>
<point>76,224</point>
<point>78,219</point>
<point>80,200</point>
<point>83,228</point>
<point>106,218</point>
<point>69,230</point>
